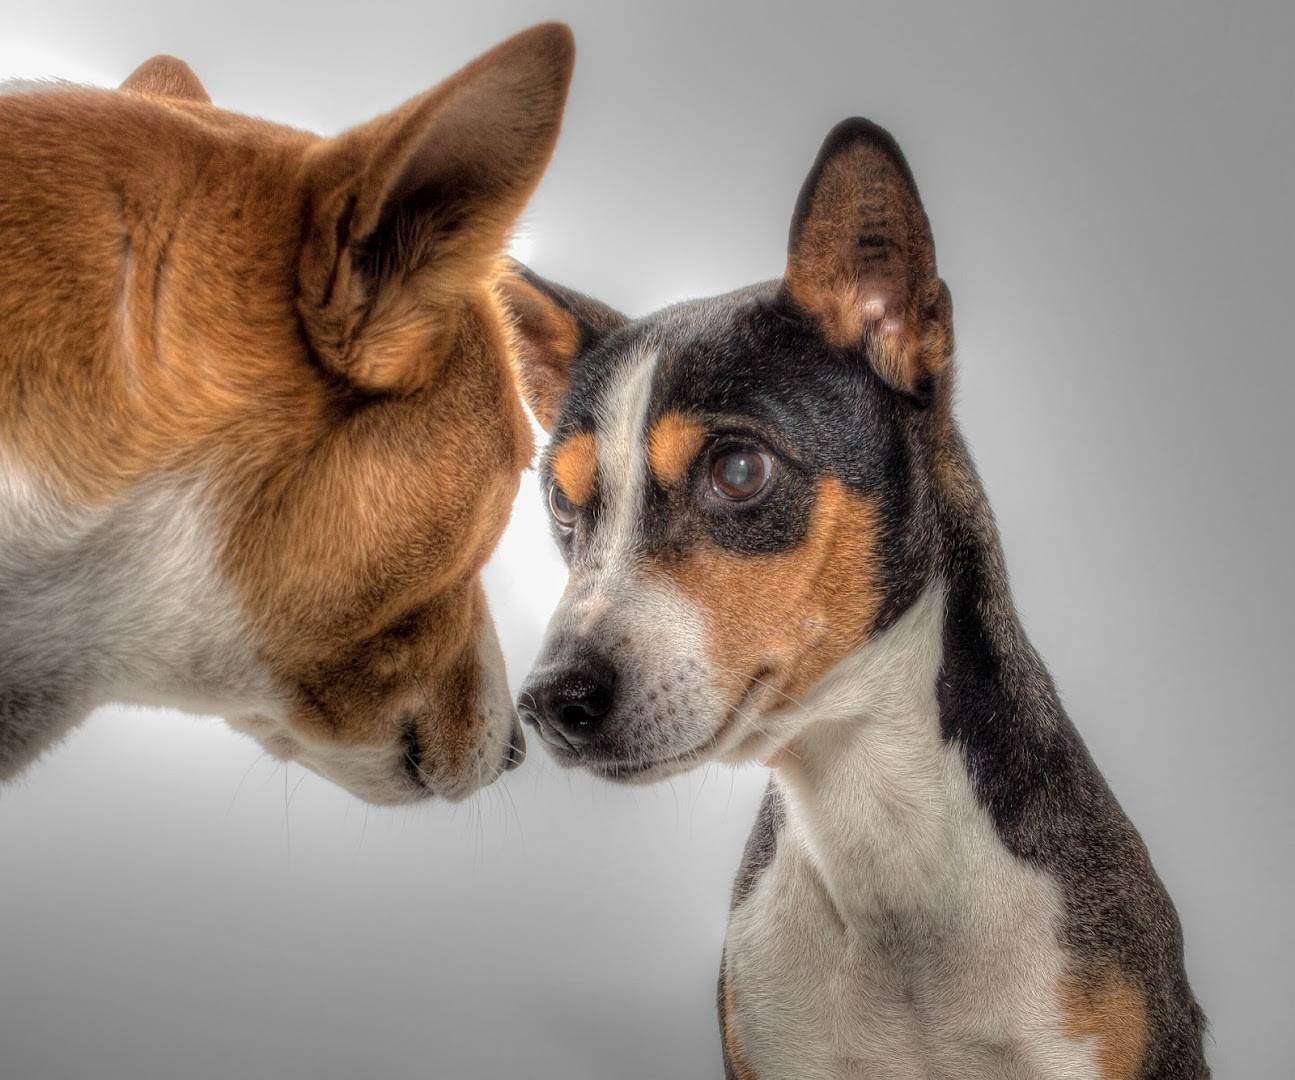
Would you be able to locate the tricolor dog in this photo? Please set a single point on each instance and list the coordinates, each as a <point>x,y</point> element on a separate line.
<point>259,426</point>
<point>780,552</point>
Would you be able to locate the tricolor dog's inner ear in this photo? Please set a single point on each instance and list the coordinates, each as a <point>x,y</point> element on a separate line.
<point>409,214</point>
<point>861,259</point>
<point>551,327</point>
<point>166,77</point>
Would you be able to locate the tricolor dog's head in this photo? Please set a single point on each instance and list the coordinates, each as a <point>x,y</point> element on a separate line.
<point>736,483</point>
<point>261,390</point>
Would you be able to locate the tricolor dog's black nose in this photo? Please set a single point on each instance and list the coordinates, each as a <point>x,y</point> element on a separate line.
<point>566,706</point>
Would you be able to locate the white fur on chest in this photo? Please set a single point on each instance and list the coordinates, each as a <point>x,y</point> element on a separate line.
<point>893,935</point>
<point>121,603</point>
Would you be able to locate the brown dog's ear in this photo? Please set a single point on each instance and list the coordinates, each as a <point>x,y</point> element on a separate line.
<point>551,327</point>
<point>408,214</point>
<point>861,259</point>
<point>166,77</point>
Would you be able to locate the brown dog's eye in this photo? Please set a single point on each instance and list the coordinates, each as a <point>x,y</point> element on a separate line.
<point>739,474</point>
<point>564,511</point>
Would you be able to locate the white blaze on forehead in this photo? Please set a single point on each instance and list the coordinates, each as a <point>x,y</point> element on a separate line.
<point>620,422</point>
<point>621,434</point>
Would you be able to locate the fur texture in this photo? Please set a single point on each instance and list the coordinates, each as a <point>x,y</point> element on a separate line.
<point>793,562</point>
<point>259,426</point>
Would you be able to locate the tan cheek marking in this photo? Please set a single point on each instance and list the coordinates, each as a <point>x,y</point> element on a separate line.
<point>673,445</point>
<point>1115,1014</point>
<point>796,612</point>
<point>575,467</point>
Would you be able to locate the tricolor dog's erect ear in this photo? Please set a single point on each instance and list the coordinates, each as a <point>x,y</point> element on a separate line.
<point>409,214</point>
<point>551,326</point>
<point>861,259</point>
<point>166,77</point>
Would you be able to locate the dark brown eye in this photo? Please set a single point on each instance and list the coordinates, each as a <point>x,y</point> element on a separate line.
<point>739,474</point>
<point>564,511</point>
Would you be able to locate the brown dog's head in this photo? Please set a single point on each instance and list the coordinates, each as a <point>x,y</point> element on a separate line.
<point>299,386</point>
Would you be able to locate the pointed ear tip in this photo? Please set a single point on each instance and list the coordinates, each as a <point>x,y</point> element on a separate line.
<point>858,131</point>
<point>551,41</point>
<point>556,35</point>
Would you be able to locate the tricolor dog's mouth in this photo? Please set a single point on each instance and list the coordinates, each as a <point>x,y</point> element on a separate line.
<point>613,755</point>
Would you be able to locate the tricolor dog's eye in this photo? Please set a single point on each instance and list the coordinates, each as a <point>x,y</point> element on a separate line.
<point>564,511</point>
<point>739,473</point>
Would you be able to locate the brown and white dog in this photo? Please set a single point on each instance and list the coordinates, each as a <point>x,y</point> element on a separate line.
<point>780,552</point>
<point>259,426</point>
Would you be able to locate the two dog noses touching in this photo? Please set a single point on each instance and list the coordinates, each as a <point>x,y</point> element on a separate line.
<point>309,393</point>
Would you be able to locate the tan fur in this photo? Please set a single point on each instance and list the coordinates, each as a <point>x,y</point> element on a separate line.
<point>804,609</point>
<point>673,444</point>
<point>166,77</point>
<point>863,265</point>
<point>154,285</point>
<point>728,1010</point>
<point>1114,1013</point>
<point>575,467</point>
<point>432,141</point>
<point>547,337</point>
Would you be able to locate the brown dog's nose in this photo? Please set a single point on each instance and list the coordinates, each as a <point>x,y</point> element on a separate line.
<point>515,751</point>
<point>567,706</point>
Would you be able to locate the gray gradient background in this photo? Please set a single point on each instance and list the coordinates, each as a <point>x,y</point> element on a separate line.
<point>1110,188</point>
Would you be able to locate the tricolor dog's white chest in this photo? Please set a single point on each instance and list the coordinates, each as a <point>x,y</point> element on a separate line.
<point>892,935</point>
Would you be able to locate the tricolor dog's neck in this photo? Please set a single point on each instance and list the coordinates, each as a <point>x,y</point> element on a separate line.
<point>885,899</point>
<point>880,800</point>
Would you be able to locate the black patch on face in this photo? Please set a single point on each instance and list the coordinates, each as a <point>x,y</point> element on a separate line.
<point>755,373</point>
<point>826,414</point>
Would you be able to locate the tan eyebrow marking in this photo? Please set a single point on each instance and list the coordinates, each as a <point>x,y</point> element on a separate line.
<point>575,466</point>
<point>673,443</point>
